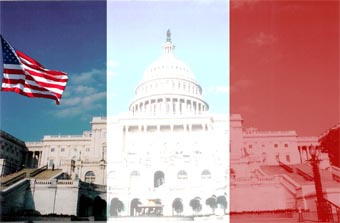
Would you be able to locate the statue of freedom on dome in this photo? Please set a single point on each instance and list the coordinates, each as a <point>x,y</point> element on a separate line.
<point>168,36</point>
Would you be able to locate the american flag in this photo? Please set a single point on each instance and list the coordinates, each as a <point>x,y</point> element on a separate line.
<point>28,77</point>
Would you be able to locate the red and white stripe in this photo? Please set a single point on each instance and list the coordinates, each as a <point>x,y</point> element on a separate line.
<point>31,79</point>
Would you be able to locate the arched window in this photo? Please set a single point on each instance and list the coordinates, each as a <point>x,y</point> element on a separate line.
<point>181,175</point>
<point>206,174</point>
<point>90,177</point>
<point>159,179</point>
<point>135,173</point>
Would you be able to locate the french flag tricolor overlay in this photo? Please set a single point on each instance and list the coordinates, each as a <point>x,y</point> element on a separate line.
<point>27,77</point>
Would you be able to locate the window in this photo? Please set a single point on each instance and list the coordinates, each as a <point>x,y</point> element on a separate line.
<point>286,145</point>
<point>90,177</point>
<point>250,146</point>
<point>87,149</point>
<point>62,149</point>
<point>75,149</point>
<point>52,150</point>
<point>288,158</point>
<point>206,174</point>
<point>276,145</point>
<point>181,175</point>
<point>135,173</point>
<point>159,179</point>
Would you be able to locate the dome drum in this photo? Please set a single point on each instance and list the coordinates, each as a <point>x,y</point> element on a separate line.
<point>169,105</point>
<point>168,86</point>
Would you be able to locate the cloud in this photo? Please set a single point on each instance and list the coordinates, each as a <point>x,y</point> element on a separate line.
<point>111,69</point>
<point>86,76</point>
<point>219,89</point>
<point>80,105</point>
<point>261,39</point>
<point>81,89</point>
<point>84,94</point>
<point>240,85</point>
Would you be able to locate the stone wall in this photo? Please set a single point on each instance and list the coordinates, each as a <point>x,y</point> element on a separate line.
<point>51,197</point>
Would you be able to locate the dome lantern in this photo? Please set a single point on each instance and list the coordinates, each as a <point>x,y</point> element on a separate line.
<point>168,47</point>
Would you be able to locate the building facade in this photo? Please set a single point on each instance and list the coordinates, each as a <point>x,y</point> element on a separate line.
<point>80,156</point>
<point>14,154</point>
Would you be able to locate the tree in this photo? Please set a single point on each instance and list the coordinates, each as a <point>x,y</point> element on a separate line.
<point>117,206</point>
<point>196,205</point>
<point>222,202</point>
<point>331,145</point>
<point>177,205</point>
<point>212,203</point>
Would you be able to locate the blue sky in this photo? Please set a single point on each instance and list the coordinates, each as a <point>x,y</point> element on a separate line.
<point>136,31</point>
<point>65,36</point>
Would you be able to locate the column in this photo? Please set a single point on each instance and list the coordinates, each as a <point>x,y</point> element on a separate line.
<point>40,158</point>
<point>35,159</point>
<point>149,111</point>
<point>171,106</point>
<point>158,106</point>
<point>190,106</point>
<point>187,107</point>
<point>179,110</point>
<point>299,148</point>
<point>31,157</point>
<point>164,106</point>
<point>189,127</point>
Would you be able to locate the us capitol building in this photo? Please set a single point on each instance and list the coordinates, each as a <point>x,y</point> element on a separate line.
<point>168,154</point>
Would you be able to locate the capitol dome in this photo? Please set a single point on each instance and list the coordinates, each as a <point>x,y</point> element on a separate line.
<point>168,87</point>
